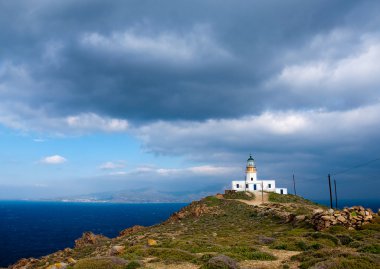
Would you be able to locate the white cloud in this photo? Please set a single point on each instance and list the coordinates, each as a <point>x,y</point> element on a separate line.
<point>113,165</point>
<point>118,173</point>
<point>206,170</point>
<point>196,44</point>
<point>54,159</point>
<point>337,69</point>
<point>92,121</point>
<point>275,131</point>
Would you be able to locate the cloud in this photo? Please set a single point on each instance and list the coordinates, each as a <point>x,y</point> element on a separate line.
<point>113,165</point>
<point>202,170</point>
<point>306,141</point>
<point>138,67</point>
<point>91,121</point>
<point>194,45</point>
<point>54,159</point>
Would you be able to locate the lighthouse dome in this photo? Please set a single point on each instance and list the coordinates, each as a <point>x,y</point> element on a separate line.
<point>250,161</point>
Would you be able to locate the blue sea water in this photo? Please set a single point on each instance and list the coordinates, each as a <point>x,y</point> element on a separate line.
<point>34,229</point>
<point>374,204</point>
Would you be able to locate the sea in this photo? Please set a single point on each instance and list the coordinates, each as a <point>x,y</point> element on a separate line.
<point>35,229</point>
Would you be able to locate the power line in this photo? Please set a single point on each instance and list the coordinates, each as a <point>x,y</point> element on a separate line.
<point>356,166</point>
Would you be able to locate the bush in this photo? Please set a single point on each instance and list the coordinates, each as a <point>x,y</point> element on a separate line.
<point>344,239</point>
<point>101,263</point>
<point>171,255</point>
<point>288,198</point>
<point>133,265</point>
<point>375,249</point>
<point>212,201</point>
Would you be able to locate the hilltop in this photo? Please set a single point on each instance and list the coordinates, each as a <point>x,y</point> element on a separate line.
<point>234,230</point>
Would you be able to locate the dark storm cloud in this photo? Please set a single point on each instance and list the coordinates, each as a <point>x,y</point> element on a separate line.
<point>173,60</point>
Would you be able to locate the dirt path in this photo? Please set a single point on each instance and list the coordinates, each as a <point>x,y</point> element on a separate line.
<point>283,257</point>
<point>260,198</point>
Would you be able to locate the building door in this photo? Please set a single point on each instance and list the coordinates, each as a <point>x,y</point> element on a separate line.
<point>282,191</point>
<point>254,187</point>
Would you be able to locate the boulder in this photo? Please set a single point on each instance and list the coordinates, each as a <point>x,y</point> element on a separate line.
<point>58,265</point>
<point>117,250</point>
<point>71,261</point>
<point>151,242</point>
<point>222,262</point>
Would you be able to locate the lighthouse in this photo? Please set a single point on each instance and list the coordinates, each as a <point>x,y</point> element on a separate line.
<point>250,171</point>
<point>251,183</point>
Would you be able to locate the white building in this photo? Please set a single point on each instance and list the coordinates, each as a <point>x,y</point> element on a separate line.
<point>251,183</point>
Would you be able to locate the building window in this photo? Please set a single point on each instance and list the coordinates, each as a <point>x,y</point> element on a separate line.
<point>269,186</point>
<point>251,178</point>
<point>237,186</point>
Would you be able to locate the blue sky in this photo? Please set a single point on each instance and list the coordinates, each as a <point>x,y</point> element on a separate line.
<point>138,95</point>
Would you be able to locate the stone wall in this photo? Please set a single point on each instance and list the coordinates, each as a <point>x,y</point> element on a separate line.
<point>352,218</point>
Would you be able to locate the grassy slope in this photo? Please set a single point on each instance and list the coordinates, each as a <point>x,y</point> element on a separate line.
<point>244,233</point>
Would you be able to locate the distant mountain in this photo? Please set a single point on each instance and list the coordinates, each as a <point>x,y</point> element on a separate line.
<point>138,196</point>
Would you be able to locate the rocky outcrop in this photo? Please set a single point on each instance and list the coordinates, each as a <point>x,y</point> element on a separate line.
<point>25,263</point>
<point>131,230</point>
<point>279,211</point>
<point>88,238</point>
<point>353,218</point>
<point>195,209</point>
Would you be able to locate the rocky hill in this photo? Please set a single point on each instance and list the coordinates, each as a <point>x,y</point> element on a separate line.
<point>234,230</point>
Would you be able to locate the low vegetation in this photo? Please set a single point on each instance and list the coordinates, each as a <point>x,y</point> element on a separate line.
<point>289,198</point>
<point>239,195</point>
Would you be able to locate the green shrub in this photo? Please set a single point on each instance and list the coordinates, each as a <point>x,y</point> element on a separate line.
<point>212,201</point>
<point>375,249</point>
<point>250,253</point>
<point>101,263</point>
<point>318,235</point>
<point>133,265</point>
<point>344,239</point>
<point>171,255</point>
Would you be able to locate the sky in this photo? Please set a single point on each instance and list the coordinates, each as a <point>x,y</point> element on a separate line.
<point>173,96</point>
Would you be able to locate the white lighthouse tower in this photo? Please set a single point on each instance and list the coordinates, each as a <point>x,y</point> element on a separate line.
<point>251,183</point>
<point>250,171</point>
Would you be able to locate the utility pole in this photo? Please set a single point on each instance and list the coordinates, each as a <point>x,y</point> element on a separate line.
<point>331,205</point>
<point>336,195</point>
<point>294,185</point>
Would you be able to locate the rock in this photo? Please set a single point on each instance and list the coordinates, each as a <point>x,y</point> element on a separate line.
<point>195,209</point>
<point>116,250</point>
<point>341,219</point>
<point>326,217</point>
<point>152,242</point>
<point>88,238</point>
<point>300,218</point>
<point>131,230</point>
<point>59,265</point>
<point>266,240</point>
<point>222,262</point>
<point>353,218</point>
<point>71,261</point>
